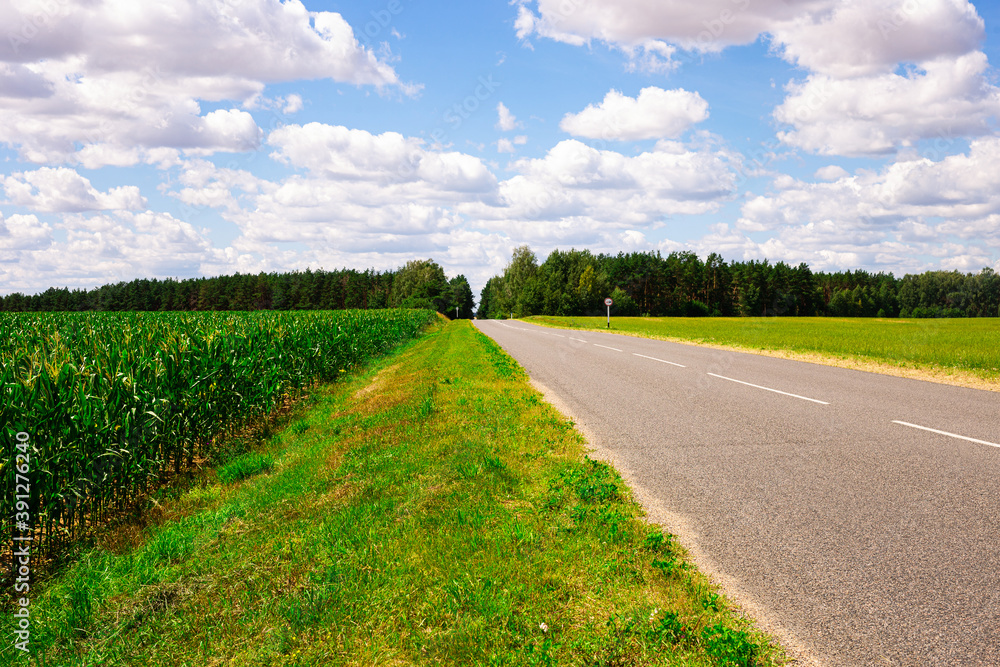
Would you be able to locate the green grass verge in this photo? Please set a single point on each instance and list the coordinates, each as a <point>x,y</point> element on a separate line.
<point>433,510</point>
<point>970,346</point>
<point>244,466</point>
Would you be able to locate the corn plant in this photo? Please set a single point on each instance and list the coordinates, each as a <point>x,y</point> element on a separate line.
<point>116,402</point>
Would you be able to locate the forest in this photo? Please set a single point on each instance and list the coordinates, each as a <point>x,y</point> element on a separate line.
<point>576,282</point>
<point>568,282</point>
<point>419,284</point>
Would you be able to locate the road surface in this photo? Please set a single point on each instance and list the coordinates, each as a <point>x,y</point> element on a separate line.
<point>856,515</point>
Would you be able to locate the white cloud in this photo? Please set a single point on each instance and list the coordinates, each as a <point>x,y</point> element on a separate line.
<point>528,23</point>
<point>253,40</point>
<point>634,240</point>
<point>118,246</point>
<point>654,114</point>
<point>947,209</point>
<point>339,153</point>
<point>653,56</point>
<point>293,104</point>
<point>705,25</point>
<point>64,190</point>
<point>577,194</point>
<point>20,82</point>
<point>365,193</point>
<point>854,100</point>
<point>117,81</point>
<point>874,115</point>
<point>836,37</point>
<point>208,186</point>
<point>831,173</point>
<point>826,247</point>
<point>505,119</point>
<point>146,243</point>
<point>857,102</point>
<point>505,146</point>
<point>22,232</point>
<point>870,37</point>
<point>370,195</point>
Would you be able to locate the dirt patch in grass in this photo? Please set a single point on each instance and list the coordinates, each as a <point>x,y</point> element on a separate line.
<point>377,383</point>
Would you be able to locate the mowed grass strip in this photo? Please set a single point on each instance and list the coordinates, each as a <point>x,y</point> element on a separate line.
<point>433,510</point>
<point>960,350</point>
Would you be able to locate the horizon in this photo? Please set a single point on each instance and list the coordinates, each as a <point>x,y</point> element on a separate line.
<point>476,294</point>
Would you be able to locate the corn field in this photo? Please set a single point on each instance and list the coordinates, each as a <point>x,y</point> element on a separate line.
<point>112,403</point>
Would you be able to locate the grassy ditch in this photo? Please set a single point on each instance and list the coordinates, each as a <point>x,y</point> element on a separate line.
<point>430,510</point>
<point>960,351</point>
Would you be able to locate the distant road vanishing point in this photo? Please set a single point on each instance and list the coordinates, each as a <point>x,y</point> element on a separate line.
<point>856,515</point>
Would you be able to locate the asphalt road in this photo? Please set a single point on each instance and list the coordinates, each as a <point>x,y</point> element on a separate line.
<point>815,495</point>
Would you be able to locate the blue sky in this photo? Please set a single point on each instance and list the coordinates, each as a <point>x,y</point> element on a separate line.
<point>188,138</point>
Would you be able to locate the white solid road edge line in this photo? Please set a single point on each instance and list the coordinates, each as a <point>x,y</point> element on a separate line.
<point>607,348</point>
<point>662,361</point>
<point>950,435</point>
<point>757,386</point>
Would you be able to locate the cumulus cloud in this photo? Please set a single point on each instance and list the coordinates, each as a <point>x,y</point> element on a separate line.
<point>505,145</point>
<point>820,245</point>
<point>825,247</point>
<point>835,37</point>
<point>578,194</point>
<point>359,193</point>
<point>63,190</point>
<point>117,246</point>
<point>654,56</point>
<point>858,101</point>
<point>505,119</point>
<point>871,115</point>
<point>946,209</point>
<point>22,232</point>
<point>339,153</point>
<point>633,239</point>
<point>870,37</point>
<point>387,193</point>
<point>209,186</point>
<point>116,81</point>
<point>361,218</point>
<point>654,114</point>
<point>20,82</point>
<point>126,245</point>
<point>253,40</point>
<point>142,243</point>
<point>855,101</point>
<point>831,173</point>
<point>703,25</point>
<point>293,104</point>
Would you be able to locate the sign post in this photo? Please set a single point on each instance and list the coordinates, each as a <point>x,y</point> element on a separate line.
<point>608,302</point>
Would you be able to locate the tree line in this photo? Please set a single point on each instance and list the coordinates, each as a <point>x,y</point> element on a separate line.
<point>568,282</point>
<point>419,284</point>
<point>576,282</point>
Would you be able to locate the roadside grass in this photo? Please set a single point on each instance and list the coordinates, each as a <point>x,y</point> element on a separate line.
<point>245,465</point>
<point>959,350</point>
<point>432,509</point>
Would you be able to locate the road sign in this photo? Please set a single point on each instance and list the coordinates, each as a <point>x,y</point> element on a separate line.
<point>608,302</point>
